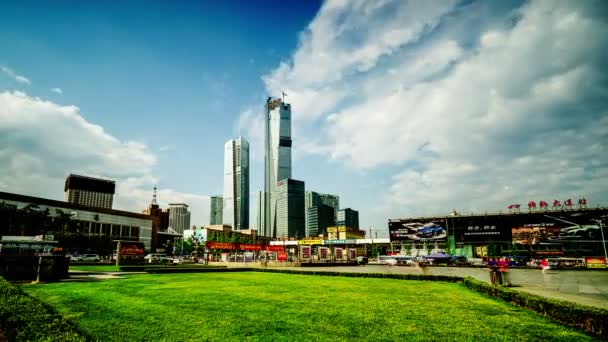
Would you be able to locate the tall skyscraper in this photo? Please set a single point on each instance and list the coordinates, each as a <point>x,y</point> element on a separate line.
<point>216,210</point>
<point>93,192</point>
<point>236,184</point>
<point>179,217</point>
<point>260,200</point>
<point>277,161</point>
<point>314,199</point>
<point>289,215</point>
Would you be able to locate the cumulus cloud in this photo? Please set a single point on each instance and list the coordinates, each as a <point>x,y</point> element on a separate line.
<point>251,126</point>
<point>19,78</point>
<point>508,110</point>
<point>57,90</point>
<point>347,38</point>
<point>42,142</point>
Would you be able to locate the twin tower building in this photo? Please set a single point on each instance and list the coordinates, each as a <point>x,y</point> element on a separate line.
<point>281,206</point>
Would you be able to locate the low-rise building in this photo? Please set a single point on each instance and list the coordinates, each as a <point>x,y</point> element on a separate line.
<point>86,221</point>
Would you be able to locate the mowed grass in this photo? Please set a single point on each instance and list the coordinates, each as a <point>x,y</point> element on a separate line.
<point>271,306</point>
<point>94,268</point>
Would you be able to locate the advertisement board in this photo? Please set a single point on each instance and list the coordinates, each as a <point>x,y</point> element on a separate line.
<point>275,248</point>
<point>595,262</point>
<point>305,252</point>
<point>531,228</point>
<point>310,242</point>
<point>338,253</point>
<point>281,256</point>
<point>423,230</point>
<point>481,228</point>
<point>352,254</point>
<point>583,226</point>
<point>323,253</point>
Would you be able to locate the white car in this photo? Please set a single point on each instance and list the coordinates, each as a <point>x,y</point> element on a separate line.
<point>157,258</point>
<point>88,257</point>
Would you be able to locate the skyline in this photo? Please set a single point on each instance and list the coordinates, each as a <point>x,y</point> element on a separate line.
<point>400,108</point>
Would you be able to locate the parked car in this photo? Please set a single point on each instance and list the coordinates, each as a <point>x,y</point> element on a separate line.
<point>157,258</point>
<point>89,258</point>
<point>458,261</point>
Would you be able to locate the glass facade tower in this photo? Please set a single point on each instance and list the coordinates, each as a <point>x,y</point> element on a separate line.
<point>277,160</point>
<point>236,184</point>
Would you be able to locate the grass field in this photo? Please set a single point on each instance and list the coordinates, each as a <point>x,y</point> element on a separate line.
<point>95,268</point>
<point>268,306</point>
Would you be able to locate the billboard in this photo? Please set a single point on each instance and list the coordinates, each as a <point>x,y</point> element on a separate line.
<point>305,252</point>
<point>582,226</point>
<point>323,253</point>
<point>481,228</point>
<point>531,228</point>
<point>423,230</point>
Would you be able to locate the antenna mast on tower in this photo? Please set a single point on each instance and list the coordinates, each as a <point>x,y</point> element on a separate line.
<point>154,197</point>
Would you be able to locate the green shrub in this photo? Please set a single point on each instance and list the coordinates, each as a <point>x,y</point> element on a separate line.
<point>24,318</point>
<point>591,319</point>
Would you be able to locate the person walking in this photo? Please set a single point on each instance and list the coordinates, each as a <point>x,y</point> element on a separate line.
<point>504,271</point>
<point>544,265</point>
<point>493,271</point>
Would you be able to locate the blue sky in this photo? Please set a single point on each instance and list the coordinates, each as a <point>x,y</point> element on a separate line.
<point>400,107</point>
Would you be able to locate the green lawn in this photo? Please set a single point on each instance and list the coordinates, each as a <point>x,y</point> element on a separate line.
<point>271,306</point>
<point>95,268</point>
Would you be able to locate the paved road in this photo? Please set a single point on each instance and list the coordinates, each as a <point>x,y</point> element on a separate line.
<point>584,287</point>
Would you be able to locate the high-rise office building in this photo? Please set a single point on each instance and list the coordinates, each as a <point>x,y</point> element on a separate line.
<point>319,217</point>
<point>277,159</point>
<point>236,184</point>
<point>315,199</point>
<point>93,192</point>
<point>348,218</point>
<point>179,217</point>
<point>260,200</point>
<point>289,214</point>
<point>216,210</point>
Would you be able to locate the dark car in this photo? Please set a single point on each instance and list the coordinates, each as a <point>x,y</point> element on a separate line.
<point>459,261</point>
<point>429,232</point>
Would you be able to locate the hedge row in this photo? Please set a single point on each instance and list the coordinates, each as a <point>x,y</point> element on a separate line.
<point>366,275</point>
<point>24,318</point>
<point>591,319</point>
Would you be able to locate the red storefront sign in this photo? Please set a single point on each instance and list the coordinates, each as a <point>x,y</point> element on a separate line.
<point>221,245</point>
<point>275,248</point>
<point>281,256</point>
<point>249,247</point>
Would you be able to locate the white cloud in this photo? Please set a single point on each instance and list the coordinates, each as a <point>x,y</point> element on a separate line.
<point>57,90</point>
<point>251,126</point>
<point>474,119</point>
<point>42,142</point>
<point>15,76</point>
<point>346,39</point>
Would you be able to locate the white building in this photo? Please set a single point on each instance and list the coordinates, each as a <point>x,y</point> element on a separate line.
<point>277,161</point>
<point>236,184</point>
<point>179,217</point>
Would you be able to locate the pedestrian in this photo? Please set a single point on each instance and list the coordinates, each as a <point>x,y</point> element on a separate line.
<point>504,271</point>
<point>493,271</point>
<point>544,265</point>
